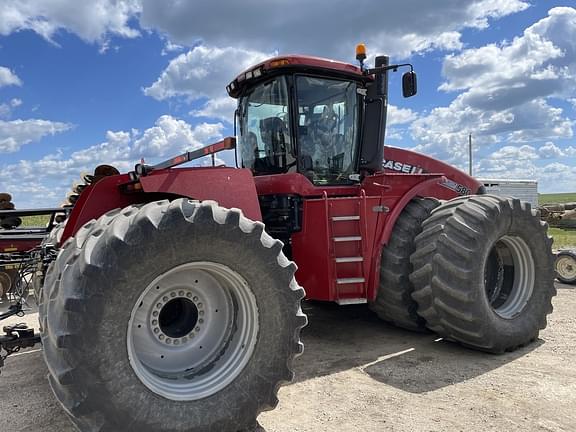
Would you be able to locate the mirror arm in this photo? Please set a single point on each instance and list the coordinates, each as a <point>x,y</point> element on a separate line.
<point>382,69</point>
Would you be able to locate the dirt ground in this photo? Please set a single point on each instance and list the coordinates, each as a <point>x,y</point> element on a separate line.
<point>359,374</point>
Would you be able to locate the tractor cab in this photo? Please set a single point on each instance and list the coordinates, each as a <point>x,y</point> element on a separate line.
<point>312,116</point>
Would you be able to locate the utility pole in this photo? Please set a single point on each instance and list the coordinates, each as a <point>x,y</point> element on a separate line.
<point>470,154</point>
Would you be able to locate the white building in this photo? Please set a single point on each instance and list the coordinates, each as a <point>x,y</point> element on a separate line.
<point>526,190</point>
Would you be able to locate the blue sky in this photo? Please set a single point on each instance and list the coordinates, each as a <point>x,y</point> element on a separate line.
<point>83,83</point>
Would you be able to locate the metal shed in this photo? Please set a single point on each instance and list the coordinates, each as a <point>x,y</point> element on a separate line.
<point>526,190</point>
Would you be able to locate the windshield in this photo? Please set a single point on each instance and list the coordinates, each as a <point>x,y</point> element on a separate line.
<point>265,141</point>
<point>327,129</point>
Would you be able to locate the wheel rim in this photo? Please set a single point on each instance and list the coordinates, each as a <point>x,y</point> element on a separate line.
<point>509,276</point>
<point>566,267</point>
<point>192,330</point>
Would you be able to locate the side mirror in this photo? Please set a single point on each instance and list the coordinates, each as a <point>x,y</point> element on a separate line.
<point>409,84</point>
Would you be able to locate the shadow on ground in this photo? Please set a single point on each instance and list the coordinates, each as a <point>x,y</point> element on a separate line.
<point>565,286</point>
<point>341,338</point>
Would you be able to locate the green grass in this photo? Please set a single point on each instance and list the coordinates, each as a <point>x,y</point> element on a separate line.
<point>35,221</point>
<point>563,237</point>
<point>556,198</point>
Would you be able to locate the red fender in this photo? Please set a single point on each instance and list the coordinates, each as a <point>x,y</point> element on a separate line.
<point>230,187</point>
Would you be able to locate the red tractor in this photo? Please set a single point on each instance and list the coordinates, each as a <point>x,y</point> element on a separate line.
<point>170,297</point>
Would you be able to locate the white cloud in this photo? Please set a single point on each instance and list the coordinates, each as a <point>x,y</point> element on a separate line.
<point>202,72</point>
<point>221,108</point>
<point>550,151</point>
<point>170,47</point>
<point>45,182</point>
<point>521,153</point>
<point>7,107</point>
<point>16,133</point>
<point>7,77</point>
<point>529,162</point>
<point>395,28</point>
<point>398,116</point>
<point>93,21</point>
<point>507,91</point>
<point>398,29</point>
<point>201,75</point>
<point>171,136</point>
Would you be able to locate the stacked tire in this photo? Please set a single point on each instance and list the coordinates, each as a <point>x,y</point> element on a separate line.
<point>481,272</point>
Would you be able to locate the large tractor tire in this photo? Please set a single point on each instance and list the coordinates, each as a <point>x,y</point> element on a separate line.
<point>565,266</point>
<point>172,316</point>
<point>394,301</point>
<point>484,273</point>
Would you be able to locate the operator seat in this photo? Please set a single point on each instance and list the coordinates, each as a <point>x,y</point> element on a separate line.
<point>272,132</point>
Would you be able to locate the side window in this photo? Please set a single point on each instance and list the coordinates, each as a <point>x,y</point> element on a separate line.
<point>266,142</point>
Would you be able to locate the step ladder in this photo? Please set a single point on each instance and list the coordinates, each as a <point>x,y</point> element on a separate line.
<point>347,232</point>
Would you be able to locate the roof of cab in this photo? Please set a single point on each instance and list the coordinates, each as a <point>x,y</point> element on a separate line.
<point>299,63</point>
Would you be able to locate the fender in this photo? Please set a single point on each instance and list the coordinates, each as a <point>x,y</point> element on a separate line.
<point>398,160</point>
<point>429,187</point>
<point>230,187</point>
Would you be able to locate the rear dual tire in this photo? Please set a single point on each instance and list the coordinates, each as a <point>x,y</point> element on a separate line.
<point>394,301</point>
<point>102,338</point>
<point>483,272</point>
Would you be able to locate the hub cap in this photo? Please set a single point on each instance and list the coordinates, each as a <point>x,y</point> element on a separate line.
<point>192,330</point>
<point>509,276</point>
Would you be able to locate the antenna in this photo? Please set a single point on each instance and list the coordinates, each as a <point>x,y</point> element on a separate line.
<point>470,154</point>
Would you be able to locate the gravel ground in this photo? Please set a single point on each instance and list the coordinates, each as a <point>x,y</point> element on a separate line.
<point>359,374</point>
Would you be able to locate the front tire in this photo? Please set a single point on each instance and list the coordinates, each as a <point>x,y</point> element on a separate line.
<point>208,279</point>
<point>483,272</point>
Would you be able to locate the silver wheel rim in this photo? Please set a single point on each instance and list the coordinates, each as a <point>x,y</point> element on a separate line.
<point>509,276</point>
<point>566,267</point>
<point>192,330</point>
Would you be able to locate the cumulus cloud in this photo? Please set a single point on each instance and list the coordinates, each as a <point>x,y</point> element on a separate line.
<point>550,151</point>
<point>549,164</point>
<point>16,133</point>
<point>201,75</point>
<point>7,77</point>
<point>301,26</point>
<point>93,21</point>
<point>6,108</point>
<point>171,136</point>
<point>507,91</point>
<point>395,29</point>
<point>203,72</point>
<point>45,182</point>
<point>221,108</point>
<point>398,116</point>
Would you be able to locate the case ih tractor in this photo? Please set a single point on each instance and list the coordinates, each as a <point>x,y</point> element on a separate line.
<point>170,297</point>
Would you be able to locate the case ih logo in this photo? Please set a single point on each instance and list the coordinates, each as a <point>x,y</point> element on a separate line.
<point>402,167</point>
<point>414,169</point>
